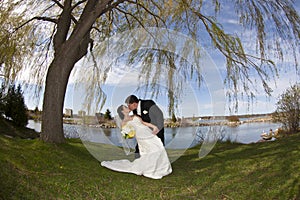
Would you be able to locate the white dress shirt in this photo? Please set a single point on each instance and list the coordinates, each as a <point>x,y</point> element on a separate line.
<point>138,109</point>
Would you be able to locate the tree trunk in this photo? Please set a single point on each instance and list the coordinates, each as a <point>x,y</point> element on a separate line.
<point>54,95</point>
<point>67,53</point>
<point>56,84</point>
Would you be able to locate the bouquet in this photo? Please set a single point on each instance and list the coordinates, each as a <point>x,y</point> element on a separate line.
<point>128,132</point>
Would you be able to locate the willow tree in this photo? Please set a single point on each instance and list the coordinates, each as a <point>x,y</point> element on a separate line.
<point>69,30</point>
<point>14,47</point>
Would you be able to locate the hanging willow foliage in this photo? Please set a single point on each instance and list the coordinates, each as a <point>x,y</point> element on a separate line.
<point>271,21</point>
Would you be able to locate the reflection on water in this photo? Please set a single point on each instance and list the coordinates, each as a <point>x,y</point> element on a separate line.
<point>182,137</point>
<point>107,132</point>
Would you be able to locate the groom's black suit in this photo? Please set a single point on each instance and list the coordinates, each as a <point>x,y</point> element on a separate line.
<point>151,113</point>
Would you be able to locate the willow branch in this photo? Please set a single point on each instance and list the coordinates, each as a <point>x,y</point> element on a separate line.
<point>59,4</point>
<point>48,19</point>
<point>133,16</point>
<point>148,11</point>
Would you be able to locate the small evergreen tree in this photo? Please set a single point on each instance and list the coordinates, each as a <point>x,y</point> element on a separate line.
<point>20,114</point>
<point>36,110</point>
<point>174,118</point>
<point>107,115</point>
<point>14,106</point>
<point>9,101</point>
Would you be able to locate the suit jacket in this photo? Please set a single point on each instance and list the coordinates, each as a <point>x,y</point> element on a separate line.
<point>151,113</point>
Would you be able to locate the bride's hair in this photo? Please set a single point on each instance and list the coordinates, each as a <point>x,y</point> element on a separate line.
<point>119,111</point>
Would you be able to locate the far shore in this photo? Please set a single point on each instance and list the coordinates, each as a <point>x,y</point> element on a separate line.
<point>182,122</point>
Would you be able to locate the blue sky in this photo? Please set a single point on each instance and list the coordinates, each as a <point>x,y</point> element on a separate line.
<point>206,101</point>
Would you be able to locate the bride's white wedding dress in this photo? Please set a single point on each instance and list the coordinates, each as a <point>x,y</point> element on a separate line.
<point>153,161</point>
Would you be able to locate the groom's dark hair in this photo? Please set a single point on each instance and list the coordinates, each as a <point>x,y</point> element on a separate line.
<point>119,111</point>
<point>131,99</point>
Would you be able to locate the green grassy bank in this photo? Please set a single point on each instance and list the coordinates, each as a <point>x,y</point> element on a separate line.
<point>32,169</point>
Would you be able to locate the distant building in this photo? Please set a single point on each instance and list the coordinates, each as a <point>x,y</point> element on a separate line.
<point>68,112</point>
<point>81,113</point>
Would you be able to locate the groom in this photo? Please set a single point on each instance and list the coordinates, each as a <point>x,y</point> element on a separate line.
<point>149,112</point>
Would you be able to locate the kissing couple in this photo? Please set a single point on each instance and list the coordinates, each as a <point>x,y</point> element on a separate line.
<point>147,122</point>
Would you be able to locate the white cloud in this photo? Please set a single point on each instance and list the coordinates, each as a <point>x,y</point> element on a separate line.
<point>123,76</point>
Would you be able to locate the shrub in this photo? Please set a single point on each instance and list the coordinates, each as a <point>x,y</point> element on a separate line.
<point>288,109</point>
<point>233,118</point>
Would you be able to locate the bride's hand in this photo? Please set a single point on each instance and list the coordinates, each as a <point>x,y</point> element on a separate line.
<point>155,130</point>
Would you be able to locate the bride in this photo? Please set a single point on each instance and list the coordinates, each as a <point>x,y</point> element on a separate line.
<point>153,161</point>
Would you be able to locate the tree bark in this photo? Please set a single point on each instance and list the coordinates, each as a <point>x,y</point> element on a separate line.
<point>56,84</point>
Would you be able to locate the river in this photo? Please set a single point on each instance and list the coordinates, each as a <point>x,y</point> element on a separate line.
<point>181,137</point>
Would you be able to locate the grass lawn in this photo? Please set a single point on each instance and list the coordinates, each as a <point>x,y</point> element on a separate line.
<point>32,169</point>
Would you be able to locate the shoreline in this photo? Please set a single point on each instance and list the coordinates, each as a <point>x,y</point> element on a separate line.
<point>184,122</point>
<point>169,124</point>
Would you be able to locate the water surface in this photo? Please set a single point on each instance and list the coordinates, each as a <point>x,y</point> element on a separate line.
<point>182,137</point>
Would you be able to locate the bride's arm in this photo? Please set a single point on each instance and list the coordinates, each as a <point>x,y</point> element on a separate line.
<point>155,130</point>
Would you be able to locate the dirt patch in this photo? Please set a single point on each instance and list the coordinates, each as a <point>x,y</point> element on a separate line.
<point>7,128</point>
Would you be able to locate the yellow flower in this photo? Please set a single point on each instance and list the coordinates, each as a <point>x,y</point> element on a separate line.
<point>128,132</point>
